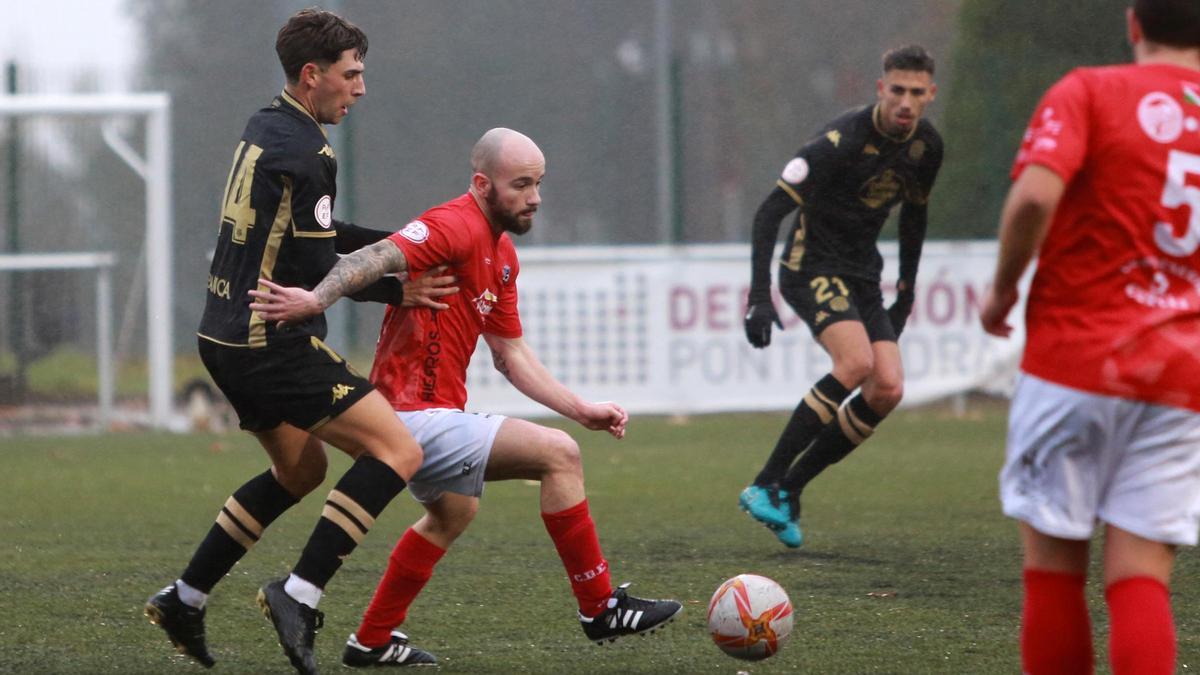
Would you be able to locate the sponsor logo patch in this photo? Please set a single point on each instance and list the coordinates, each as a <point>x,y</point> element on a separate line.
<point>485,301</point>
<point>323,211</point>
<point>416,232</point>
<point>795,172</point>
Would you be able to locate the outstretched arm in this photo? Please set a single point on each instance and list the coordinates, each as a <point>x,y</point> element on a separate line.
<point>350,275</point>
<point>1027,212</point>
<point>514,358</point>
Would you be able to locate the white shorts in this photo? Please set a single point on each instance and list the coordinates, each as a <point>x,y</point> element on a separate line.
<point>1074,458</point>
<point>456,444</point>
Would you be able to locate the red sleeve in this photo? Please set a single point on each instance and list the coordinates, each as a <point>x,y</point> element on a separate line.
<point>1057,136</point>
<point>435,238</point>
<point>504,320</point>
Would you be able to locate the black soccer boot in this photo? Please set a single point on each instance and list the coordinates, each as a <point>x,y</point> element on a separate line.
<point>396,653</point>
<point>183,624</point>
<point>627,615</point>
<point>295,622</point>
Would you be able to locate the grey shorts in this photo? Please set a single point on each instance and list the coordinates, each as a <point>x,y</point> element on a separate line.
<point>456,445</point>
<point>1075,457</point>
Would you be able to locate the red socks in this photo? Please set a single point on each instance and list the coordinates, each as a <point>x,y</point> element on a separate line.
<point>409,567</point>
<point>1143,630</point>
<point>1056,632</point>
<point>574,536</point>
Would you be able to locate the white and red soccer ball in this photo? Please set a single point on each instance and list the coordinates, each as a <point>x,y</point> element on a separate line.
<point>750,617</point>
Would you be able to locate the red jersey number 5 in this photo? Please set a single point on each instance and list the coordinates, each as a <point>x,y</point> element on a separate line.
<point>1178,193</point>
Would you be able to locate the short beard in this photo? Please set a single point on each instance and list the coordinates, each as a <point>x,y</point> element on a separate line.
<point>507,221</point>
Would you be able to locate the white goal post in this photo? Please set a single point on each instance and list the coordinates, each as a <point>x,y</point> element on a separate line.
<point>155,170</point>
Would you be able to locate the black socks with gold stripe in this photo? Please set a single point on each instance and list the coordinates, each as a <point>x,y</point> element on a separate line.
<point>816,411</point>
<point>239,526</point>
<point>350,511</point>
<point>855,423</point>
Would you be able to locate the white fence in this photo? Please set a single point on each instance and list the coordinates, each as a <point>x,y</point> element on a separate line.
<point>659,330</point>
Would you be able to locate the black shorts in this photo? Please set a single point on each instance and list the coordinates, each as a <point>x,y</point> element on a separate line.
<point>302,382</point>
<point>822,300</point>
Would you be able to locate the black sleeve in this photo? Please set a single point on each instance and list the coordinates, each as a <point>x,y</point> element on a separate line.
<point>912,239</point>
<point>388,290</point>
<point>766,231</point>
<point>914,212</point>
<point>351,237</point>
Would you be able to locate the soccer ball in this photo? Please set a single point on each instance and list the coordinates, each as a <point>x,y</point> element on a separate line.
<point>750,617</point>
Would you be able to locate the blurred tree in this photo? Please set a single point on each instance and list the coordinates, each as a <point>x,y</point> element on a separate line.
<point>1007,53</point>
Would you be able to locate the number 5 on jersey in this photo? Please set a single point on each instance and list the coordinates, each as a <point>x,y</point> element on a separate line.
<point>1178,193</point>
<point>236,210</point>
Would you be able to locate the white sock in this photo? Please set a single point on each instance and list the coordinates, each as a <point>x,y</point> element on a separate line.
<point>192,597</point>
<point>302,591</point>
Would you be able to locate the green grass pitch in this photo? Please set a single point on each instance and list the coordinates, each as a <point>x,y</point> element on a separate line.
<point>908,565</point>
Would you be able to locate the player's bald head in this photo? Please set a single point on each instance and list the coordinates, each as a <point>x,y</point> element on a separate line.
<point>499,146</point>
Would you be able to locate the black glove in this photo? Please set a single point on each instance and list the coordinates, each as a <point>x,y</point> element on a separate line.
<point>759,317</point>
<point>902,307</point>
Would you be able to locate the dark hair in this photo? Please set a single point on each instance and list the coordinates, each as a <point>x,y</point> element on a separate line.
<point>316,36</point>
<point>1175,23</point>
<point>908,57</point>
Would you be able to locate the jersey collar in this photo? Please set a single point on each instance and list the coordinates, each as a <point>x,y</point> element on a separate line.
<point>879,127</point>
<point>292,102</point>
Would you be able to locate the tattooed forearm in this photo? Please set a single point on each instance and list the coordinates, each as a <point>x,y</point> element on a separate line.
<point>501,365</point>
<point>359,270</point>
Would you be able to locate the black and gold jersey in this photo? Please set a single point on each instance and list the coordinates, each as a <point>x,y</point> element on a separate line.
<point>845,181</point>
<point>276,222</point>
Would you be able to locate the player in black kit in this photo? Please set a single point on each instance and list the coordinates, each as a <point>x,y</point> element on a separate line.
<point>289,389</point>
<point>845,182</point>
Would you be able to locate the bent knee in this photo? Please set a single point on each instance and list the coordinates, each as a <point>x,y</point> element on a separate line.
<point>563,453</point>
<point>404,457</point>
<point>301,479</point>
<point>853,371</point>
<point>885,396</point>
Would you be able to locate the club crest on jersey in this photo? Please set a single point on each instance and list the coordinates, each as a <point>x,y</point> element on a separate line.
<point>1160,116</point>
<point>416,232</point>
<point>505,273</point>
<point>485,302</point>
<point>323,211</point>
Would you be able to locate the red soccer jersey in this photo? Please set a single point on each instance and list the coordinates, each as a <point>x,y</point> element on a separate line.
<point>422,356</point>
<point>1114,307</point>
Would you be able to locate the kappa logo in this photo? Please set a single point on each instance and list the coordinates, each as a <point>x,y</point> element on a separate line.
<point>505,274</point>
<point>821,316</point>
<point>340,391</point>
<point>416,232</point>
<point>466,468</point>
<point>834,137</point>
<point>327,151</point>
